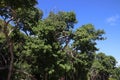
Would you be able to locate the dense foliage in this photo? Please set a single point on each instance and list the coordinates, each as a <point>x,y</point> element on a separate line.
<point>32,48</point>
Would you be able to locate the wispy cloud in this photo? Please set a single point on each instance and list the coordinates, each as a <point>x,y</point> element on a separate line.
<point>113,20</point>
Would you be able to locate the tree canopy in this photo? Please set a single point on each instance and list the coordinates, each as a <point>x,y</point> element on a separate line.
<point>33,48</point>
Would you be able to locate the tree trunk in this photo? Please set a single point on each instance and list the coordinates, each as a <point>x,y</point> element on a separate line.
<point>11,60</point>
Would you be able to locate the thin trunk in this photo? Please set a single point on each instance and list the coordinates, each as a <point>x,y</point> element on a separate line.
<point>46,76</point>
<point>65,75</point>
<point>11,60</point>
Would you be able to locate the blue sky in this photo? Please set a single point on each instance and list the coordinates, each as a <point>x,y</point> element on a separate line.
<point>103,14</point>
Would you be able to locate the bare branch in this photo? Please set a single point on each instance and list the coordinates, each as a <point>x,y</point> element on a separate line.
<point>3,68</point>
<point>3,58</point>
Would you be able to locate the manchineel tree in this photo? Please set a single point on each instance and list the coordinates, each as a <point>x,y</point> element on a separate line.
<point>32,48</point>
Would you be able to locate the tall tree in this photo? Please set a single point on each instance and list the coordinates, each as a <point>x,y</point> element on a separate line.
<point>84,42</point>
<point>54,31</point>
<point>22,15</point>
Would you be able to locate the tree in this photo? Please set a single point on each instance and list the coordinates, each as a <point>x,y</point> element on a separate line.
<point>54,31</point>
<point>22,15</point>
<point>115,74</point>
<point>84,47</point>
<point>103,67</point>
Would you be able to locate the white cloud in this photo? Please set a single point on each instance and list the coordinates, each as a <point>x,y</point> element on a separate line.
<point>113,20</point>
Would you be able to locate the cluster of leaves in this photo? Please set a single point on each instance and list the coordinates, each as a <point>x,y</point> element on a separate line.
<point>51,50</point>
<point>103,67</point>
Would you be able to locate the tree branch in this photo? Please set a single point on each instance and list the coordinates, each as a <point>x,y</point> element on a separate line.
<point>3,68</point>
